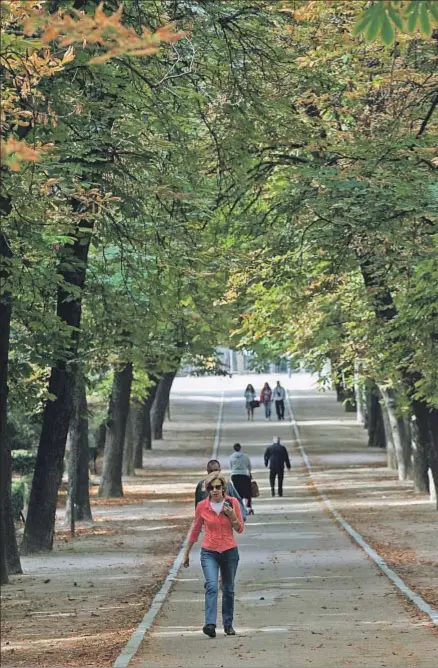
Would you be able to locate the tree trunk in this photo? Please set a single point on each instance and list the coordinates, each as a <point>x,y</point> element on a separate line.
<point>401,456</point>
<point>433,489</point>
<point>40,521</point>
<point>5,455</point>
<point>160,403</point>
<point>348,392</point>
<point>78,478</point>
<point>129,448</point>
<point>390,438</point>
<point>359,397</point>
<point>426,423</point>
<point>111,483</point>
<point>419,460</point>
<point>99,437</point>
<point>425,443</point>
<point>144,427</point>
<point>376,430</point>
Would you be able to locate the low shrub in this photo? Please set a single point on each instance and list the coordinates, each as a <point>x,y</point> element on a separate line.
<point>23,461</point>
<point>19,493</point>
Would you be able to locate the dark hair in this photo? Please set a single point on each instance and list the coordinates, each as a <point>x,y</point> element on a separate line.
<point>249,386</point>
<point>237,447</point>
<point>212,461</point>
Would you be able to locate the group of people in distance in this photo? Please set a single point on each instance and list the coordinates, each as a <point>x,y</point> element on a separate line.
<point>267,398</point>
<point>220,511</point>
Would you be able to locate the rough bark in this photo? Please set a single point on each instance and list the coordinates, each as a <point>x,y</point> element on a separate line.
<point>111,482</point>
<point>129,448</point>
<point>99,437</point>
<point>9,558</point>
<point>5,458</point>
<point>376,430</point>
<point>40,521</point>
<point>426,423</point>
<point>359,397</point>
<point>144,426</point>
<point>401,454</point>
<point>160,403</point>
<point>419,460</point>
<point>78,460</point>
<point>391,452</point>
<point>433,489</point>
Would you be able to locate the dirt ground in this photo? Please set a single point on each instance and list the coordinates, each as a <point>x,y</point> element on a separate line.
<point>400,525</point>
<point>78,605</point>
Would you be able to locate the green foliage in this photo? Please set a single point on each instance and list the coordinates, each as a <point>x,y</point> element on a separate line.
<point>19,497</point>
<point>383,17</point>
<point>23,462</point>
<point>233,182</point>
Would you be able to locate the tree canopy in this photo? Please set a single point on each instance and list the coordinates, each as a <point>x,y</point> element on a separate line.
<point>182,175</point>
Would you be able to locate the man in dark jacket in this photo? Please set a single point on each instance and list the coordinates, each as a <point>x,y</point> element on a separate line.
<point>277,457</point>
<point>201,494</point>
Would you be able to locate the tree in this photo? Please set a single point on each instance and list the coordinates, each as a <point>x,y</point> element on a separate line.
<point>25,81</point>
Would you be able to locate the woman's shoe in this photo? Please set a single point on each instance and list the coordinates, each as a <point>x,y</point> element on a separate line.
<point>209,630</point>
<point>229,631</point>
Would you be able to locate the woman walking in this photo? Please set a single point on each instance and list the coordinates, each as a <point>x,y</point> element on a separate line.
<point>240,465</point>
<point>266,399</point>
<point>250,396</point>
<point>220,516</point>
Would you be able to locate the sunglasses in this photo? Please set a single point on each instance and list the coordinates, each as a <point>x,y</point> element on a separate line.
<point>211,487</point>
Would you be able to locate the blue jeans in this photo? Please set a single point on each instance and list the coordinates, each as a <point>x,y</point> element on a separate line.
<point>211,563</point>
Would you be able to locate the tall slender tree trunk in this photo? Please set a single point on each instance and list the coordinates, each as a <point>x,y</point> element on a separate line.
<point>376,430</point>
<point>160,403</point>
<point>401,450</point>
<point>359,396</point>
<point>390,438</point>
<point>40,521</point>
<point>5,456</point>
<point>144,427</point>
<point>78,475</point>
<point>419,459</point>
<point>111,482</point>
<point>129,447</point>
<point>426,420</point>
<point>9,557</point>
<point>348,391</point>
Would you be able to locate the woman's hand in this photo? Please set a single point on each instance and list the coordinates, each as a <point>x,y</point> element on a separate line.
<point>229,512</point>
<point>186,560</point>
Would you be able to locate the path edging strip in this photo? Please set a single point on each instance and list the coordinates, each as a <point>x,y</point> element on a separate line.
<point>134,642</point>
<point>378,560</point>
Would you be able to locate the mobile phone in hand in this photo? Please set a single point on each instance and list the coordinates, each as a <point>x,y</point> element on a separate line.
<point>227,504</point>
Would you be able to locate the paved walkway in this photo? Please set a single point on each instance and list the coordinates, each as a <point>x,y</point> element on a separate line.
<point>306,595</point>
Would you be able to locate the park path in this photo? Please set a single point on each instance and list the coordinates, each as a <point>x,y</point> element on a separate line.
<point>306,595</point>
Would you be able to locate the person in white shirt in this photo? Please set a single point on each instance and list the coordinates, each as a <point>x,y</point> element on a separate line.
<point>240,465</point>
<point>279,395</point>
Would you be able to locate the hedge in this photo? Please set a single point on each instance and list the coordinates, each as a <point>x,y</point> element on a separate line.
<point>23,461</point>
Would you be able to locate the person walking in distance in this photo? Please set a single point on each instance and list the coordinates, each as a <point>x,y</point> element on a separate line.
<point>220,517</point>
<point>250,396</point>
<point>201,493</point>
<point>240,465</point>
<point>276,456</point>
<point>265,399</point>
<point>279,396</point>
